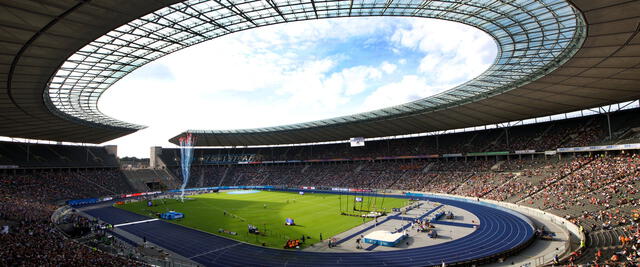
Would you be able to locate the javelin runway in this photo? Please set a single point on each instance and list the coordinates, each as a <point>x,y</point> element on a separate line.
<point>499,232</point>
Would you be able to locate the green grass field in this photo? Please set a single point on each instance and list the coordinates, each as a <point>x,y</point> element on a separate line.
<point>313,214</point>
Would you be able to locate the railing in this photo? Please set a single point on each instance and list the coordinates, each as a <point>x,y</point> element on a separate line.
<point>57,214</point>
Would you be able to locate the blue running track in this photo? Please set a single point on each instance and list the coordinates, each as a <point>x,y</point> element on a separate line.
<point>499,233</point>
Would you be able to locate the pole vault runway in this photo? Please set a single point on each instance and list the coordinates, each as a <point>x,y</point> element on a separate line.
<point>499,233</point>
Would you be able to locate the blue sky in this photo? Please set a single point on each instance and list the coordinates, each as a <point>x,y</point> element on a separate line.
<point>292,73</point>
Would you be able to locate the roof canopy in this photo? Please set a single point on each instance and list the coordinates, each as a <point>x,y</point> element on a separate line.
<point>62,55</point>
<point>36,37</point>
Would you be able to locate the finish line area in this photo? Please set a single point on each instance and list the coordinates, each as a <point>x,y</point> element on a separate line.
<point>481,231</point>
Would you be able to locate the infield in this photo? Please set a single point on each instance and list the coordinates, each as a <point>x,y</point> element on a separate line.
<point>313,214</point>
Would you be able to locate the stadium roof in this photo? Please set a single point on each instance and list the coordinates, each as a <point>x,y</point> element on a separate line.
<point>36,37</point>
<point>553,57</point>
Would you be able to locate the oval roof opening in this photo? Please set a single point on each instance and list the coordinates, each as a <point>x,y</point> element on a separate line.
<point>299,72</point>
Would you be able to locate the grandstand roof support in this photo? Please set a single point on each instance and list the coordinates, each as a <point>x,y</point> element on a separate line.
<point>609,125</point>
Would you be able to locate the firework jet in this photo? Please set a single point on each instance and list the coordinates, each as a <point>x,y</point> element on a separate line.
<point>186,156</point>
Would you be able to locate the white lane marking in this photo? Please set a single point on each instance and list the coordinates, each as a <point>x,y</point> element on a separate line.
<point>211,251</point>
<point>130,223</point>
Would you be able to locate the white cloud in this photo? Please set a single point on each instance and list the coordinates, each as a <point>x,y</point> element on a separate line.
<point>410,88</point>
<point>302,35</point>
<point>388,67</point>
<point>279,75</point>
<point>431,63</point>
<point>356,79</point>
<point>454,52</point>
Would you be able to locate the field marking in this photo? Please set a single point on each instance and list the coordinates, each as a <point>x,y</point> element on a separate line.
<point>137,222</point>
<point>307,201</point>
<point>218,249</point>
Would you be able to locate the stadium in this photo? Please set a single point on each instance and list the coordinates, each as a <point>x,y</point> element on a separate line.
<point>534,162</point>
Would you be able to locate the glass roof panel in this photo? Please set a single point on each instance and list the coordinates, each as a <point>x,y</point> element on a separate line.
<point>545,34</point>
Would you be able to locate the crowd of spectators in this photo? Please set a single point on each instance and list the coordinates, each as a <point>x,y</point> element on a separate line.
<point>619,191</point>
<point>30,238</point>
<point>446,182</point>
<point>595,191</point>
<point>630,251</point>
<point>513,188</point>
<point>528,165</point>
<point>436,176</point>
<point>54,186</point>
<point>572,189</point>
<point>526,173</point>
<point>542,183</point>
<point>589,190</point>
<point>539,137</point>
<point>621,226</point>
<point>598,192</point>
<point>50,155</point>
<point>482,184</point>
<point>586,136</point>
